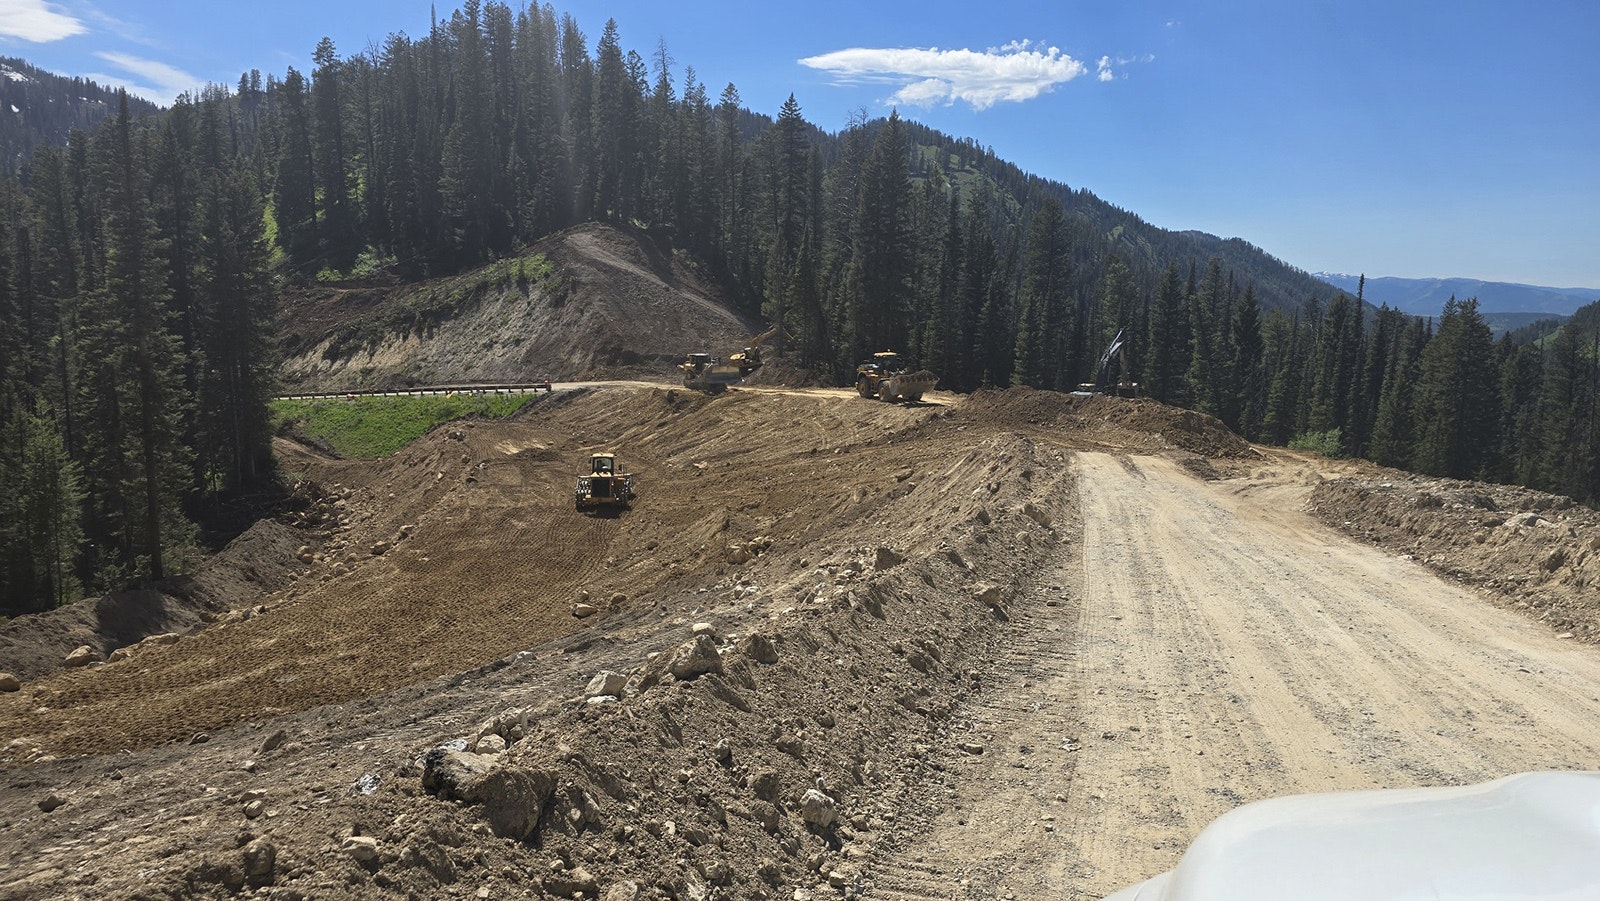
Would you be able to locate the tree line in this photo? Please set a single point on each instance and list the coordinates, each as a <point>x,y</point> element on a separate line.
<point>141,263</point>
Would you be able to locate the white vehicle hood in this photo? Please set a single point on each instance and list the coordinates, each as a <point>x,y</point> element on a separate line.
<point>1529,836</point>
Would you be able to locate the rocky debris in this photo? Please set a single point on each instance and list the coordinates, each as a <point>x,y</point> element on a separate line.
<point>8,682</point>
<point>818,809</point>
<point>687,661</point>
<point>886,558</point>
<point>583,610</point>
<point>605,683</point>
<point>82,655</point>
<point>766,785</point>
<point>741,552</point>
<point>509,726</point>
<point>455,775</point>
<point>259,861</point>
<point>513,797</point>
<point>760,648</point>
<point>273,741</point>
<point>989,595</point>
<point>363,849</point>
<point>576,882</point>
<point>51,802</point>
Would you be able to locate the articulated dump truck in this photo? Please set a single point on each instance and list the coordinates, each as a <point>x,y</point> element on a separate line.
<point>885,377</point>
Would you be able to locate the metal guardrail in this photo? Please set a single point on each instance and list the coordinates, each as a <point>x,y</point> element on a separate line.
<point>546,386</point>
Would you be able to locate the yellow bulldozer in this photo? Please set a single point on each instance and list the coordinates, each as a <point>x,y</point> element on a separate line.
<point>703,372</point>
<point>605,486</point>
<point>885,377</point>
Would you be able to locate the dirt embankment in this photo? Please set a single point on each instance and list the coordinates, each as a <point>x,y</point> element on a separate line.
<point>1536,552</point>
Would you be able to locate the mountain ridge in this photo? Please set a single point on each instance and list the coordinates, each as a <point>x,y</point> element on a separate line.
<point>1427,296</point>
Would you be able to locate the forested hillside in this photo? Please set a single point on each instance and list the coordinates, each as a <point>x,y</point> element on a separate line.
<point>142,262</point>
<point>39,109</point>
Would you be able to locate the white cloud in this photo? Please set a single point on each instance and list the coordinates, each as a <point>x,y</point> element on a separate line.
<point>156,81</point>
<point>36,21</point>
<point>1104,66</point>
<point>926,77</point>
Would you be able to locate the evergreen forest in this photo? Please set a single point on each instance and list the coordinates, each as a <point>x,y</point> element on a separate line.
<point>141,258</point>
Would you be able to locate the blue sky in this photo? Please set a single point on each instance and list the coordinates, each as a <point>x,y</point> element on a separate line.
<point>1397,138</point>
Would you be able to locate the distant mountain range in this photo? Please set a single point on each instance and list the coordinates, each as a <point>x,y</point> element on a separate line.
<point>1427,296</point>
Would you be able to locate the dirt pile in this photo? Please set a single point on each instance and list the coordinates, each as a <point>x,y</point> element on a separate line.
<point>1534,551</point>
<point>1129,425</point>
<point>611,304</point>
<point>258,562</point>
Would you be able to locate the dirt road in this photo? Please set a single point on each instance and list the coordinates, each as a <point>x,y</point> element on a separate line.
<point>1211,645</point>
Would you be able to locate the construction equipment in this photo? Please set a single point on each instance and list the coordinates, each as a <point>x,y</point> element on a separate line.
<point>703,372</point>
<point>604,486</point>
<point>749,359</point>
<point>885,376</point>
<point>1102,384</point>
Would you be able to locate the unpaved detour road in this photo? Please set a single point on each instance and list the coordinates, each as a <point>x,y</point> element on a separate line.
<point>1210,644</point>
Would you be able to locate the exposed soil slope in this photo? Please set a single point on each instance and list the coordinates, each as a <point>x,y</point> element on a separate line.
<point>613,305</point>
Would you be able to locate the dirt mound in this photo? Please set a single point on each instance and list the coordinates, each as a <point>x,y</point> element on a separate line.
<point>612,304</point>
<point>1537,552</point>
<point>1132,425</point>
<point>251,566</point>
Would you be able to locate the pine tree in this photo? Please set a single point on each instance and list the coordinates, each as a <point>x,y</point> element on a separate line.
<point>294,196</point>
<point>1457,402</point>
<point>1206,384</point>
<point>337,231</point>
<point>1168,357</point>
<point>1521,377</point>
<point>1248,408</point>
<point>880,268</point>
<point>1044,323</point>
<point>1564,408</point>
<point>1393,430</point>
<point>138,471</point>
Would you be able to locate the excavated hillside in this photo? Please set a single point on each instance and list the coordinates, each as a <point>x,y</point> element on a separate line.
<point>590,302</point>
<point>1013,644</point>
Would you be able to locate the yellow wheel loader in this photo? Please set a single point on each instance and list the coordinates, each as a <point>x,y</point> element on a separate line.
<point>606,485</point>
<point>885,377</point>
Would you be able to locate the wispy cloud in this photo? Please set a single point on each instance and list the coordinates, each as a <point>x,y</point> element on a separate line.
<point>152,80</point>
<point>928,77</point>
<point>1105,72</point>
<point>36,21</point>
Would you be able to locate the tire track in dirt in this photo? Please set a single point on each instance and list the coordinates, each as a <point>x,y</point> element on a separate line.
<point>531,555</point>
<point>1276,657</point>
<point>1219,647</point>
